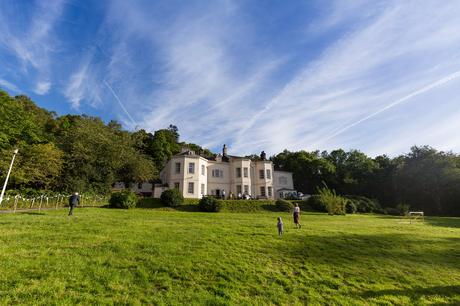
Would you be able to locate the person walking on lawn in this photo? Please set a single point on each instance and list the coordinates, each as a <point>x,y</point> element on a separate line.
<point>74,200</point>
<point>297,216</point>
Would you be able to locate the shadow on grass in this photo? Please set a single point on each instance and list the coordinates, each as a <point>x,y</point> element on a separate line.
<point>443,221</point>
<point>32,213</point>
<point>446,291</point>
<point>371,252</point>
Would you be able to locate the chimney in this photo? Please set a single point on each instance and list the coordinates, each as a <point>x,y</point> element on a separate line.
<point>224,150</point>
<point>263,156</point>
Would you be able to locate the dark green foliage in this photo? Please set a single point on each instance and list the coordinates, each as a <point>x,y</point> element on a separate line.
<point>363,204</point>
<point>247,205</point>
<point>172,198</point>
<point>392,211</point>
<point>209,204</point>
<point>149,203</point>
<point>350,207</point>
<point>123,199</point>
<point>315,203</point>
<point>403,209</point>
<point>283,205</point>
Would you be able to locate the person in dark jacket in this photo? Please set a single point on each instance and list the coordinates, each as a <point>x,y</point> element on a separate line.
<point>74,200</point>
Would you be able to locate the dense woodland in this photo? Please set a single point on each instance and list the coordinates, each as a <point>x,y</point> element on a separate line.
<point>66,153</point>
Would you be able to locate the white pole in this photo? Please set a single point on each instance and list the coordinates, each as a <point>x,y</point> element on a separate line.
<point>8,176</point>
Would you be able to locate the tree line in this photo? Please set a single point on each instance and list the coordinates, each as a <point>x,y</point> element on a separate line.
<point>425,179</point>
<point>79,152</point>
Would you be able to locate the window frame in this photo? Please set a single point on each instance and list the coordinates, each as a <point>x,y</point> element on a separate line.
<point>238,172</point>
<point>191,184</point>
<point>176,168</point>
<point>263,191</point>
<point>191,168</point>
<point>261,174</point>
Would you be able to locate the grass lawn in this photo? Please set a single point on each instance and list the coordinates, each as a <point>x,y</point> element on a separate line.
<point>148,256</point>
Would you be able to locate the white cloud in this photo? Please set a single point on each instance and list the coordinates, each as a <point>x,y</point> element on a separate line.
<point>42,87</point>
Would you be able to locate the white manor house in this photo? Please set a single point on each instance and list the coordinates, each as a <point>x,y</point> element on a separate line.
<point>223,176</point>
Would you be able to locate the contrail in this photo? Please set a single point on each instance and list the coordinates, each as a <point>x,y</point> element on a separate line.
<point>442,81</point>
<point>121,104</point>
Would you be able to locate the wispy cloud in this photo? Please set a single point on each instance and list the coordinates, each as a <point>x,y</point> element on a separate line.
<point>380,61</point>
<point>363,74</point>
<point>32,42</point>
<point>8,85</point>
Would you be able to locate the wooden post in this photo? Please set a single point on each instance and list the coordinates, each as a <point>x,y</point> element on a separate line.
<point>41,201</point>
<point>57,201</point>
<point>47,201</point>
<point>32,203</point>
<point>15,203</point>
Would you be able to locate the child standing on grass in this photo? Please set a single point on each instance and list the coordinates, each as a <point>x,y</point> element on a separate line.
<point>280,226</point>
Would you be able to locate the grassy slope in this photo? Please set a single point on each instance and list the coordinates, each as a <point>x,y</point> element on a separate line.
<point>165,257</point>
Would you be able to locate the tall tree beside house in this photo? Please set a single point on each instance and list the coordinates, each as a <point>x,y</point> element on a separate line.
<point>97,155</point>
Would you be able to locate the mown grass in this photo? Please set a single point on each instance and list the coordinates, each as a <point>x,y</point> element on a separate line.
<point>151,256</point>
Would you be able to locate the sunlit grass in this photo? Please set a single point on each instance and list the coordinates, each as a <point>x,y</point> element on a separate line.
<point>144,256</point>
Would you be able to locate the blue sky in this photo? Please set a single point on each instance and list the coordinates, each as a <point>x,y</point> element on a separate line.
<point>378,76</point>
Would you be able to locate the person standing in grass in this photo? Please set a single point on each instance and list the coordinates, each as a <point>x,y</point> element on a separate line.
<point>74,200</point>
<point>280,226</point>
<point>297,216</point>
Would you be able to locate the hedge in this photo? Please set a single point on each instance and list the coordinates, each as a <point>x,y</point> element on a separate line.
<point>246,205</point>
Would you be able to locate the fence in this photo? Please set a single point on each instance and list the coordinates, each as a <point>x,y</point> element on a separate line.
<point>19,202</point>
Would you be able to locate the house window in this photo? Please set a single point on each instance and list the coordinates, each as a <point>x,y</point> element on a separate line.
<point>177,168</point>
<point>245,171</point>
<point>238,189</point>
<point>238,172</point>
<point>139,185</point>
<point>282,180</point>
<point>262,191</point>
<point>269,189</point>
<point>191,168</point>
<point>176,185</point>
<point>190,187</point>
<point>261,174</point>
<point>217,173</point>
<point>203,170</point>
<point>202,189</point>
<point>246,189</point>
<point>269,174</point>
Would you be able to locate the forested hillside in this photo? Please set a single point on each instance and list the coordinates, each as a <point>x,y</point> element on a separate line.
<point>425,179</point>
<point>77,152</point>
<point>83,153</point>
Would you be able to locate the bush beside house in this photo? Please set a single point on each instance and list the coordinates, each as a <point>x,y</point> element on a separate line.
<point>123,199</point>
<point>172,198</point>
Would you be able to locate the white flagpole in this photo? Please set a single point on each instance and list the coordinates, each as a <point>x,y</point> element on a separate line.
<point>8,176</point>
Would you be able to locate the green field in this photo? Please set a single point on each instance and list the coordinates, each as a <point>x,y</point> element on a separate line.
<point>148,256</point>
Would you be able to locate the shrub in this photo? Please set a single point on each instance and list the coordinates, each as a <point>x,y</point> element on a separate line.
<point>363,204</point>
<point>209,204</point>
<point>172,197</point>
<point>315,203</point>
<point>335,204</point>
<point>247,205</point>
<point>350,207</point>
<point>123,199</point>
<point>403,209</point>
<point>283,205</point>
<point>392,211</point>
<point>149,203</point>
